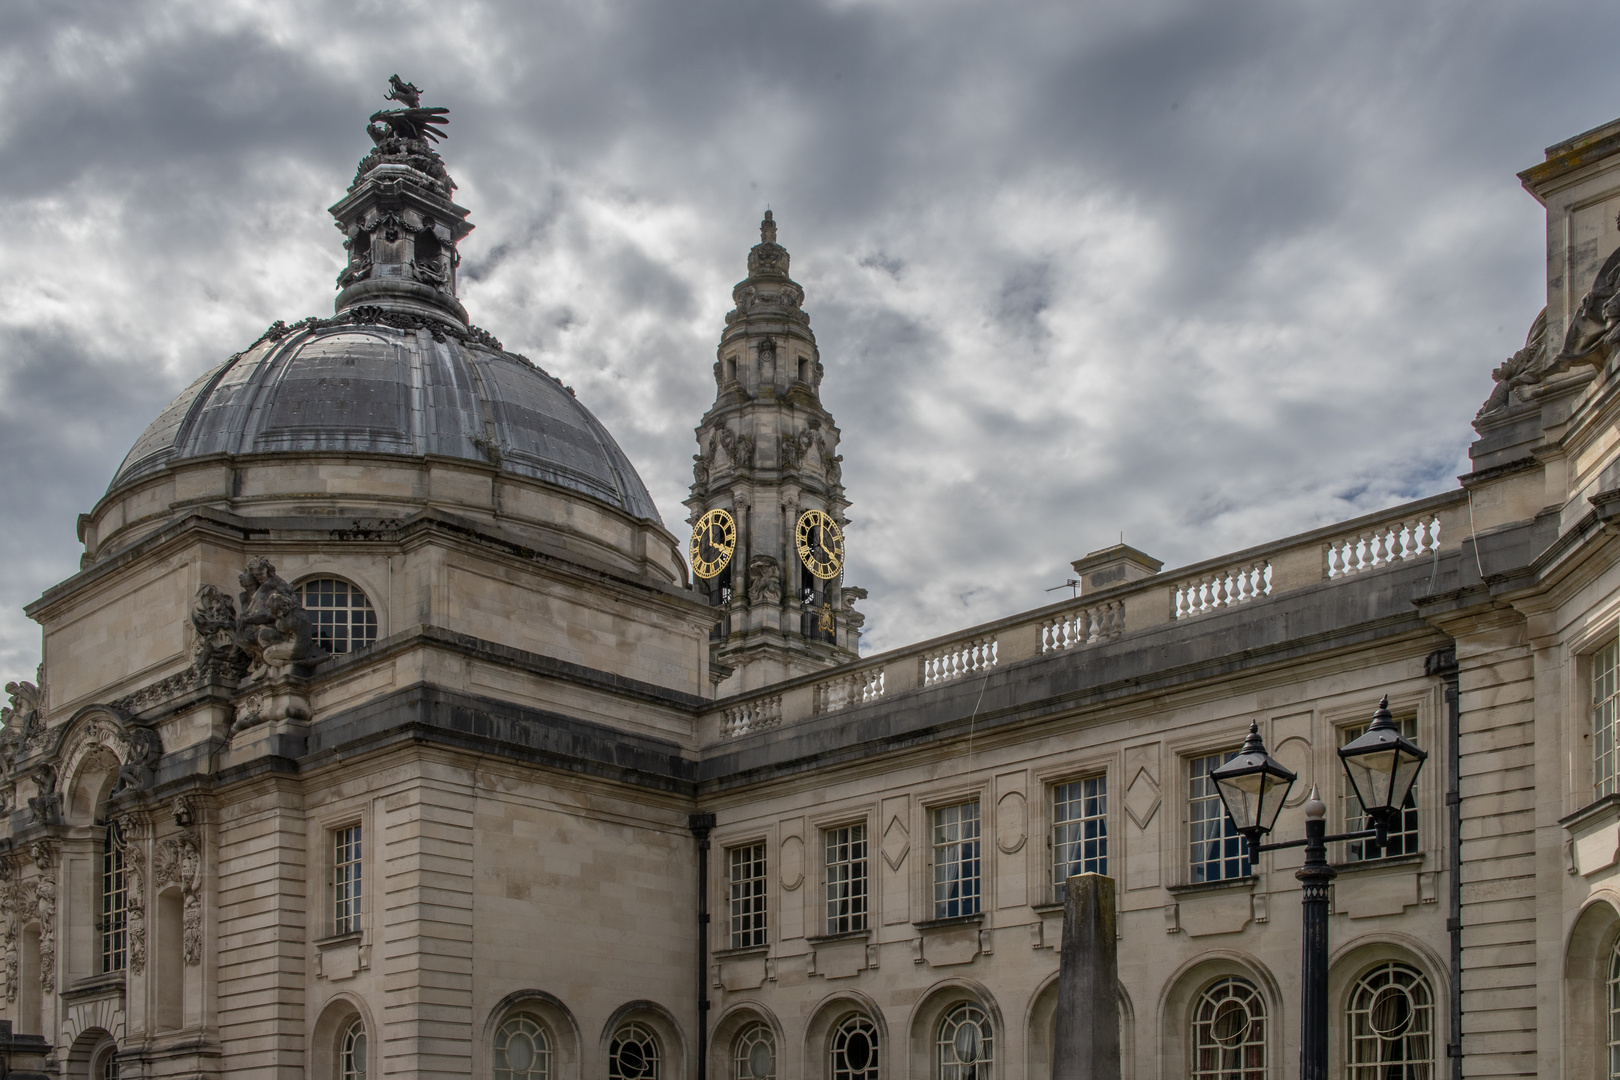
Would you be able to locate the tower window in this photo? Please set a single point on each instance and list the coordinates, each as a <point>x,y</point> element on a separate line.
<point>344,619</point>
<point>114,901</point>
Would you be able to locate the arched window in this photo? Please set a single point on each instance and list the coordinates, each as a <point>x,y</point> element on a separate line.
<point>352,1051</point>
<point>633,1054</point>
<point>854,1049</point>
<point>754,1053</point>
<point>1229,1032</point>
<point>105,1064</point>
<point>1391,1025</point>
<point>114,901</point>
<point>1614,1013</point>
<point>344,619</point>
<point>522,1050</point>
<point>965,1048</point>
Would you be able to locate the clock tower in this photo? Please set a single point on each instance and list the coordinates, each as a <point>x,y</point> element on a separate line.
<point>767,503</point>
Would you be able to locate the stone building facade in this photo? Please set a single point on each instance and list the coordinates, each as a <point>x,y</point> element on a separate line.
<point>386,730</point>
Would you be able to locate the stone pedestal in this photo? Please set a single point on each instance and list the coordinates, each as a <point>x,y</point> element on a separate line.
<point>24,1055</point>
<point>1086,1044</point>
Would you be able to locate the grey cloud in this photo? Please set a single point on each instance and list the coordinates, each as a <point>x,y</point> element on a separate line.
<point>1205,273</point>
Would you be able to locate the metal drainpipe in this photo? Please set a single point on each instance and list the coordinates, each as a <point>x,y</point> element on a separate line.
<point>1443,663</point>
<point>701,825</point>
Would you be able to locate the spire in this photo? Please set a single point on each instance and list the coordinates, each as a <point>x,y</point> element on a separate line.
<point>399,223</point>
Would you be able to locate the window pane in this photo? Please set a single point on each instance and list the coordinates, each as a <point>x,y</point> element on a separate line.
<point>846,879</point>
<point>754,1054</point>
<point>114,901</point>
<point>956,860</point>
<point>1229,1032</point>
<point>1402,840</point>
<point>346,866</point>
<point>634,1054</point>
<point>853,1049</point>
<point>1605,718</point>
<point>1391,1025</point>
<point>965,1046</point>
<point>747,896</point>
<point>522,1050</point>
<point>344,619</point>
<point>1079,830</point>
<point>1217,850</point>
<point>352,1055</point>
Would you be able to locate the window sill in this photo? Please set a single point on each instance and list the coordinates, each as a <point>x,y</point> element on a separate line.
<point>944,924</point>
<point>1047,908</point>
<point>1212,886</point>
<point>737,954</point>
<point>336,941</point>
<point>1589,811</point>
<point>849,935</point>
<point>1373,864</point>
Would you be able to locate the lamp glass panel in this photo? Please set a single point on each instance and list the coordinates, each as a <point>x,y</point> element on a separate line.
<point>1370,775</point>
<point>1406,771</point>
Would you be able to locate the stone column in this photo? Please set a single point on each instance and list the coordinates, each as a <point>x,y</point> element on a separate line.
<point>1086,1045</point>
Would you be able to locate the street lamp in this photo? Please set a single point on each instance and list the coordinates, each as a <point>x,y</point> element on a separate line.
<point>1382,766</point>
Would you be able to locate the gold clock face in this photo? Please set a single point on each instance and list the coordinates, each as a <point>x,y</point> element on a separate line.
<point>714,538</point>
<point>820,542</point>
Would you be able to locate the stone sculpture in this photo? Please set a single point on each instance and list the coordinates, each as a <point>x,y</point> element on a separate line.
<point>46,805</point>
<point>1085,1044</point>
<point>1521,369</point>
<point>764,580</point>
<point>272,627</point>
<point>1594,329</point>
<point>215,650</point>
<point>145,748</point>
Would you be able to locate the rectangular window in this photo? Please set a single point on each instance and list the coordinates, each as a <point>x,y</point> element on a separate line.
<point>346,866</point>
<point>956,860</point>
<point>114,902</point>
<point>1079,829</point>
<point>1403,838</point>
<point>1605,718</point>
<point>846,879</point>
<point>747,896</point>
<point>1218,852</point>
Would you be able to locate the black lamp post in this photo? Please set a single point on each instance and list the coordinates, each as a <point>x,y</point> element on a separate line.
<point>1382,766</point>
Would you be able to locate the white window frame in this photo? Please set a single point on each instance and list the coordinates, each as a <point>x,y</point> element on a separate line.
<point>1202,798</point>
<point>1603,686</point>
<point>746,900</point>
<point>346,845</point>
<point>846,877</point>
<point>950,831</point>
<point>1408,839</point>
<point>1058,840</point>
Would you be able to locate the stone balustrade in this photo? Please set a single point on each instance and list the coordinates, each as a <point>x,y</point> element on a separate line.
<point>1222,588</point>
<point>754,714</point>
<point>1314,559</point>
<point>956,660</point>
<point>1383,544</point>
<point>1083,626</point>
<point>847,689</point>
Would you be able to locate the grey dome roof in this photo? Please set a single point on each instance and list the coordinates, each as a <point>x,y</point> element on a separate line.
<point>382,390</point>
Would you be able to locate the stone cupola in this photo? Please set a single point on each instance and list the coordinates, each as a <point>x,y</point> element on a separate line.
<point>399,223</point>
<point>768,455</point>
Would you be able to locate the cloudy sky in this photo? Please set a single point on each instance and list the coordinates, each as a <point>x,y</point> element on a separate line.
<point>1202,273</point>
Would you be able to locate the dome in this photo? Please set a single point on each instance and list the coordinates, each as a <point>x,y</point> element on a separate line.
<point>343,386</point>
